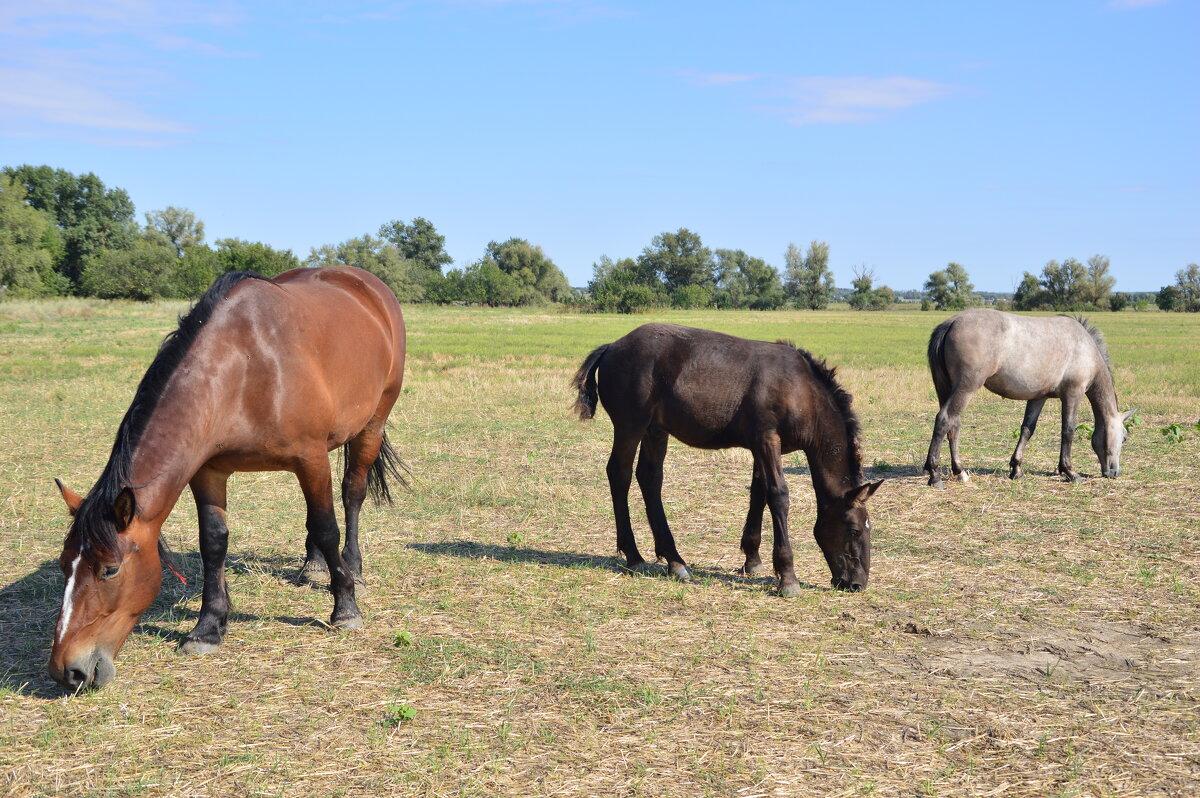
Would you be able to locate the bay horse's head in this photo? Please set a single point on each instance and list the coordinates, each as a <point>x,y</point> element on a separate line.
<point>111,563</point>
<point>843,531</point>
<point>1107,439</point>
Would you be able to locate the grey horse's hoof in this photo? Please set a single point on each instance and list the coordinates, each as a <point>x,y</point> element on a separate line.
<point>679,571</point>
<point>197,647</point>
<point>1016,473</point>
<point>963,476</point>
<point>789,589</point>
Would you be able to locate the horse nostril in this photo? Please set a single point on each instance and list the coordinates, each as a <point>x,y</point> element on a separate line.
<point>74,678</point>
<point>855,587</point>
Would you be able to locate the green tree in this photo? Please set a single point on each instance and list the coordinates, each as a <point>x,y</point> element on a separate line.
<point>808,280</point>
<point>419,242</point>
<point>193,273</point>
<point>951,288</point>
<point>1187,283</point>
<point>1029,294</point>
<point>27,238</point>
<point>624,287</point>
<point>142,271</point>
<point>377,257</point>
<point>236,255</point>
<point>179,225</point>
<point>1098,284</point>
<point>1118,302</point>
<point>679,259</point>
<point>90,216</point>
<point>1065,284</point>
<point>1169,297</point>
<point>746,282</point>
<point>538,278</point>
<point>865,296</point>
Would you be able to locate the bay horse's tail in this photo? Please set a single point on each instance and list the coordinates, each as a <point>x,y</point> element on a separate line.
<point>585,383</point>
<point>937,359</point>
<point>387,464</point>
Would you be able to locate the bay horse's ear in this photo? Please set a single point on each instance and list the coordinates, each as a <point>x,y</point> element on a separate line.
<point>72,498</point>
<point>123,509</point>
<point>860,494</point>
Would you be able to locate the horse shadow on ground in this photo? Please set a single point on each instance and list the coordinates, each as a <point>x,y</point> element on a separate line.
<point>29,610</point>
<point>482,551</point>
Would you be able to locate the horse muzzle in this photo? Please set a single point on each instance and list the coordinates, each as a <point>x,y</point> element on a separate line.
<point>850,584</point>
<point>88,672</point>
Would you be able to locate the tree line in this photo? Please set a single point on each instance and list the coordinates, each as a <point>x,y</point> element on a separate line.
<point>66,234</point>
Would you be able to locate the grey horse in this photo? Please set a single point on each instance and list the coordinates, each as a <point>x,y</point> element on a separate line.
<point>1027,358</point>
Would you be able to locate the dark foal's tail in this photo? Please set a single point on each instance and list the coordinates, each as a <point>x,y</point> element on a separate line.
<point>585,383</point>
<point>387,464</point>
<point>937,359</point>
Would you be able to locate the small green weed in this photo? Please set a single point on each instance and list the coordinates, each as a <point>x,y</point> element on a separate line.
<point>882,466</point>
<point>1173,433</point>
<point>402,639</point>
<point>396,714</point>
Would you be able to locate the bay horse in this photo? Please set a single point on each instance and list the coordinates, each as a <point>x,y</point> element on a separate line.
<point>261,375</point>
<point>1028,358</point>
<point>716,391</point>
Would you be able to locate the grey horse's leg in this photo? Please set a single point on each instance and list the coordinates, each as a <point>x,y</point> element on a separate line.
<point>1033,409</point>
<point>946,425</point>
<point>1070,409</point>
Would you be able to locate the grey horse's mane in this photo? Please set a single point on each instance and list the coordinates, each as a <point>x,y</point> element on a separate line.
<point>1097,337</point>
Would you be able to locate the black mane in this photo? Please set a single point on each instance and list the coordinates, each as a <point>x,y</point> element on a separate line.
<point>95,522</point>
<point>827,376</point>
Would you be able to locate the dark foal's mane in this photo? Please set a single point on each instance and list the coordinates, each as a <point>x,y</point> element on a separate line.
<point>1097,336</point>
<point>95,523</point>
<point>827,376</point>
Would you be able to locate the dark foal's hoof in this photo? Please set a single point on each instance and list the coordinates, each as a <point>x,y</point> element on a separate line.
<point>313,573</point>
<point>789,589</point>
<point>347,622</point>
<point>678,570</point>
<point>938,484</point>
<point>644,568</point>
<point>197,647</point>
<point>1071,476</point>
<point>752,568</point>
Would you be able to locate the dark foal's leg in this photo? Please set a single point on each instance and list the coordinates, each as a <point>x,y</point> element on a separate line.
<point>650,479</point>
<point>317,484</point>
<point>620,476</point>
<point>776,493</point>
<point>208,488</point>
<point>363,451</point>
<point>1033,409</point>
<point>752,531</point>
<point>1070,409</point>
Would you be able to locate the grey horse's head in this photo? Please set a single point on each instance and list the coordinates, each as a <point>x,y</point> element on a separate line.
<point>1107,439</point>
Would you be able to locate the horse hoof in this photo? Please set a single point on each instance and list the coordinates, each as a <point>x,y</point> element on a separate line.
<point>349,622</point>
<point>1070,476</point>
<point>964,476</point>
<point>360,584</point>
<point>789,589</point>
<point>750,569</point>
<point>1016,473</point>
<point>679,571</point>
<point>197,647</point>
<point>643,568</point>
<point>313,573</point>
<point>939,485</point>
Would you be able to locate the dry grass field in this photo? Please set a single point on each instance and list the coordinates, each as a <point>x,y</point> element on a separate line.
<point>1018,638</point>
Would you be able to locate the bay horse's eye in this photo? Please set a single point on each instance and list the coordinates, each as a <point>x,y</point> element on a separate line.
<point>110,572</point>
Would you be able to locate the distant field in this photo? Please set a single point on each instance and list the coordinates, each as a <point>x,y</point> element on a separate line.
<point>1018,638</point>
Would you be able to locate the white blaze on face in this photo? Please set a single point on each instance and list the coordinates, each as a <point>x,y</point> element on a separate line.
<point>68,598</point>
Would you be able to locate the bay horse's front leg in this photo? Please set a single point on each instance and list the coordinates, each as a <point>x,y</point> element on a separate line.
<point>776,492</point>
<point>317,484</point>
<point>650,479</point>
<point>1070,410</point>
<point>752,531</point>
<point>209,491</point>
<point>1033,409</point>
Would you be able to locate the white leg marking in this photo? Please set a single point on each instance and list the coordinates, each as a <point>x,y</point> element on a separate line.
<point>68,598</point>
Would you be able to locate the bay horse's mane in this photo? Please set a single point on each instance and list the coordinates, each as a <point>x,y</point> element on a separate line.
<point>95,522</point>
<point>1097,337</point>
<point>827,376</point>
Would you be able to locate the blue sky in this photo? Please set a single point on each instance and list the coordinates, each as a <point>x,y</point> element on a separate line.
<point>996,134</point>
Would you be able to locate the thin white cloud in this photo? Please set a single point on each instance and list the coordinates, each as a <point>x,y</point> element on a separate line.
<point>829,100</point>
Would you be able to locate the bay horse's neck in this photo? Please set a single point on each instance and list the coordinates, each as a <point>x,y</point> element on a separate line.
<point>833,458</point>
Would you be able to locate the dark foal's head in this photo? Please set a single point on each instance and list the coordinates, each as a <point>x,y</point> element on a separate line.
<point>843,531</point>
<point>111,580</point>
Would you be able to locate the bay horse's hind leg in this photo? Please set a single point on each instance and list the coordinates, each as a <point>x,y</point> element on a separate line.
<point>1033,409</point>
<point>317,484</point>
<point>209,491</point>
<point>361,454</point>
<point>650,479</point>
<point>620,477</point>
<point>752,531</point>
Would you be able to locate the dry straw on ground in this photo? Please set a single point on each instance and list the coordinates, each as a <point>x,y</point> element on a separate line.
<point>1027,638</point>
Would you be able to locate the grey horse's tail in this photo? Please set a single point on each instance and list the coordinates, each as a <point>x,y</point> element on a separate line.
<point>937,359</point>
<point>585,383</point>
